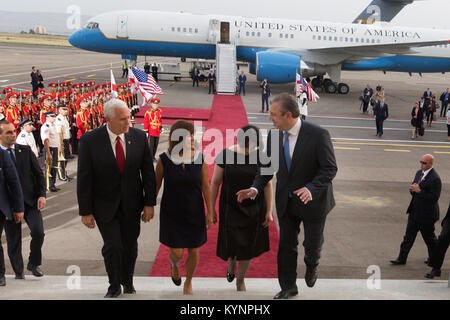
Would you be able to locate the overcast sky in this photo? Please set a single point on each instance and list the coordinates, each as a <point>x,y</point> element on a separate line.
<point>425,13</point>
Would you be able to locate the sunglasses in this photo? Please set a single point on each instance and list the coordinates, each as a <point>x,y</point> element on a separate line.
<point>423,162</point>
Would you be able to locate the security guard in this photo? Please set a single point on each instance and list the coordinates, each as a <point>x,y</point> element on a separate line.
<point>153,125</point>
<point>51,142</point>
<point>26,136</point>
<point>63,130</point>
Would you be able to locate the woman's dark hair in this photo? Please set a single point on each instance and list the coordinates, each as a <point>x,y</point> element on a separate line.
<point>179,126</point>
<point>247,134</point>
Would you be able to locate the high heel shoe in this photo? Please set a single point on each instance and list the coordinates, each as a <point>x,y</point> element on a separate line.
<point>230,277</point>
<point>177,282</point>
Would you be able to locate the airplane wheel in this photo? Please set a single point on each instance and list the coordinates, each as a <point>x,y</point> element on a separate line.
<point>330,88</point>
<point>343,88</point>
<point>316,82</point>
<point>327,82</point>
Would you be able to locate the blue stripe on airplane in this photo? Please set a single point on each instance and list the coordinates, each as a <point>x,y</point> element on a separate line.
<point>94,40</point>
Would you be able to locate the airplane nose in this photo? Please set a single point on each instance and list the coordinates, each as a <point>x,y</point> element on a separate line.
<point>78,38</point>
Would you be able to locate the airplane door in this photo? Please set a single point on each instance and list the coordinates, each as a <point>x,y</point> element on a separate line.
<point>122,27</point>
<point>224,32</point>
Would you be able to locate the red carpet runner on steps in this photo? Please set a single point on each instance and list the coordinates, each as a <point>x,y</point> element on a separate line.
<point>227,112</point>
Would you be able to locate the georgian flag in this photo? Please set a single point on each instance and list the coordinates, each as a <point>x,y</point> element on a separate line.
<point>114,93</point>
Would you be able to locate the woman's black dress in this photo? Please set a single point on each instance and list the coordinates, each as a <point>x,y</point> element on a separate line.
<point>241,231</point>
<point>182,213</point>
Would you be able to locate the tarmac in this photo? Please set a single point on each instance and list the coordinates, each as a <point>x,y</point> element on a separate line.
<point>363,231</point>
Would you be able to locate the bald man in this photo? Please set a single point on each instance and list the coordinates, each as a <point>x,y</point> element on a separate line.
<point>423,209</point>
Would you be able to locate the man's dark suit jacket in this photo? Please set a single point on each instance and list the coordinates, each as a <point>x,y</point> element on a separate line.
<point>424,205</point>
<point>381,113</point>
<point>32,178</point>
<point>11,197</point>
<point>313,165</point>
<point>101,189</point>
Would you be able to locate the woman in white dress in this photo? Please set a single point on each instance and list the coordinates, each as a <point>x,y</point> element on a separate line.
<point>302,100</point>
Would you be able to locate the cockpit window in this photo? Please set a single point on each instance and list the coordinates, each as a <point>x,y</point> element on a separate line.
<point>92,25</point>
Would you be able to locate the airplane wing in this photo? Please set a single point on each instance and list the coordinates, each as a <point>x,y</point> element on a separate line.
<point>336,55</point>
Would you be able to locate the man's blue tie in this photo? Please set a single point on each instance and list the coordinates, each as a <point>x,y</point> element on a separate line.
<point>13,157</point>
<point>287,155</point>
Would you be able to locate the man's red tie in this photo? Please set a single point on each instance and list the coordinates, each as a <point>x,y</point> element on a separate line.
<point>120,156</point>
<point>420,179</point>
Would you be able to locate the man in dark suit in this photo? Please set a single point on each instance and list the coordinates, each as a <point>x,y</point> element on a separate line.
<point>195,74</point>
<point>423,209</point>
<point>265,94</point>
<point>11,201</point>
<point>445,99</point>
<point>304,191</point>
<point>438,255</point>
<point>116,181</point>
<point>380,113</point>
<point>34,80</point>
<point>212,81</point>
<point>32,181</point>
<point>427,97</point>
<point>367,95</point>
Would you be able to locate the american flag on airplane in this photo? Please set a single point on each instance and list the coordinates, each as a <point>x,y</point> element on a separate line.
<point>312,96</point>
<point>144,83</point>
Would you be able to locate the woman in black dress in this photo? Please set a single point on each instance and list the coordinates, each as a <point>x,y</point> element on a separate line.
<point>243,227</point>
<point>416,120</point>
<point>182,213</point>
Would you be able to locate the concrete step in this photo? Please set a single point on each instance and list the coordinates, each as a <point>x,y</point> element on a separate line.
<point>162,288</point>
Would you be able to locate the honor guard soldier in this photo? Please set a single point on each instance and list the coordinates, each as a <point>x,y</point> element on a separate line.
<point>12,113</point>
<point>50,138</point>
<point>47,105</point>
<point>63,130</point>
<point>83,116</point>
<point>153,125</point>
<point>26,136</point>
<point>52,88</point>
<point>25,105</point>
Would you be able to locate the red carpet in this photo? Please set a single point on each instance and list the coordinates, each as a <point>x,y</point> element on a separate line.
<point>227,112</point>
<point>170,114</point>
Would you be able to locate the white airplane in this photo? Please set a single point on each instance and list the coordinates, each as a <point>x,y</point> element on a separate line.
<point>274,48</point>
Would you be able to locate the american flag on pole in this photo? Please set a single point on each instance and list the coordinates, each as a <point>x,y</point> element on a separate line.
<point>312,96</point>
<point>144,83</point>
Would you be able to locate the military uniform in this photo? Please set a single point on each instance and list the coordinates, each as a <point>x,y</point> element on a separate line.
<point>48,131</point>
<point>27,138</point>
<point>153,126</point>
<point>83,118</point>
<point>62,125</point>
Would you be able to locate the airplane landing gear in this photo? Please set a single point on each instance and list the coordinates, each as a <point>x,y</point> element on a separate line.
<point>329,86</point>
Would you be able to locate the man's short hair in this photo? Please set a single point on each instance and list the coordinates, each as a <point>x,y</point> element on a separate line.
<point>3,122</point>
<point>288,103</point>
<point>110,107</point>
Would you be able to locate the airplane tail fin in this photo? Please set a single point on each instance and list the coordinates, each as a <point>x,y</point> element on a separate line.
<point>381,10</point>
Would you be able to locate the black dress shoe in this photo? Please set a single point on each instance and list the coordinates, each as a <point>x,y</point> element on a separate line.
<point>230,277</point>
<point>285,294</point>
<point>2,281</point>
<point>398,262</point>
<point>20,276</point>
<point>311,276</point>
<point>35,270</point>
<point>427,261</point>
<point>113,294</point>
<point>129,289</point>
<point>53,189</point>
<point>433,273</point>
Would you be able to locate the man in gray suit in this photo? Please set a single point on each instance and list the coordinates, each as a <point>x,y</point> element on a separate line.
<point>304,191</point>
